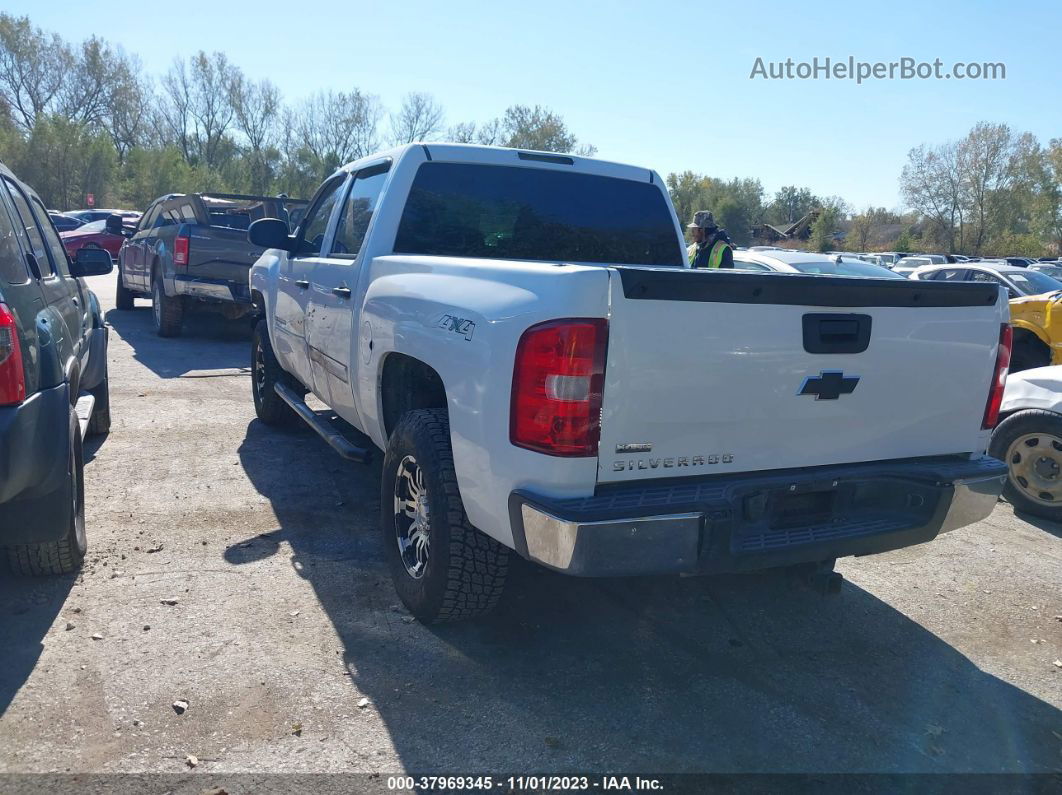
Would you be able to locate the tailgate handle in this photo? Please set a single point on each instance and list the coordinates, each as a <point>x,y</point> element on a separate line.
<point>829,333</point>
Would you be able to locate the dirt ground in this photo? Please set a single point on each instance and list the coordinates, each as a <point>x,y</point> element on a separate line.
<point>289,646</point>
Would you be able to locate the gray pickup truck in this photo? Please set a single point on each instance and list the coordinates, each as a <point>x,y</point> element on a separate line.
<point>193,248</point>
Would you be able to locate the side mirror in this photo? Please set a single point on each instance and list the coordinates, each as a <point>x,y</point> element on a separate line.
<point>270,233</point>
<point>113,224</point>
<point>91,262</point>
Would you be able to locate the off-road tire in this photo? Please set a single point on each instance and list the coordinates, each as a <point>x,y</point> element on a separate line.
<point>1022,423</point>
<point>65,555</point>
<point>123,296</point>
<point>168,312</point>
<point>266,372</point>
<point>466,569</point>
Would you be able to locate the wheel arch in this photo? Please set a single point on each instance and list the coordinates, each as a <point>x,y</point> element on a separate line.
<point>407,384</point>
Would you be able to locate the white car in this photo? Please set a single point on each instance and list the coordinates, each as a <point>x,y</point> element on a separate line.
<point>522,336</point>
<point>783,261</point>
<point>1029,441</point>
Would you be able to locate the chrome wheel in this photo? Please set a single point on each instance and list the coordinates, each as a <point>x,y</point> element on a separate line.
<point>1035,462</point>
<point>412,520</point>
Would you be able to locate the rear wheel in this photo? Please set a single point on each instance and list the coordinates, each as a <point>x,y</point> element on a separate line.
<point>168,312</point>
<point>1030,443</point>
<point>443,568</point>
<point>123,297</point>
<point>65,555</point>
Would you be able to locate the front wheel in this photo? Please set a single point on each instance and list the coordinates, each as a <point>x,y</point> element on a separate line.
<point>443,568</point>
<point>266,373</point>
<point>1030,444</point>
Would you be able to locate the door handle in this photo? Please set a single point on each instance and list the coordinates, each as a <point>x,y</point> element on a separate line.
<point>342,292</point>
<point>302,284</point>
<point>76,302</point>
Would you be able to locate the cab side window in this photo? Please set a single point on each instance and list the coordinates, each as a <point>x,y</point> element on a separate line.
<point>358,210</point>
<point>12,263</point>
<point>33,234</point>
<point>51,239</point>
<point>316,223</point>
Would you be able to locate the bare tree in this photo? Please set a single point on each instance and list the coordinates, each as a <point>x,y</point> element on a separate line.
<point>419,119</point>
<point>988,157</point>
<point>931,183</point>
<point>198,105</point>
<point>462,133</point>
<point>33,68</point>
<point>257,108</point>
<point>336,126</point>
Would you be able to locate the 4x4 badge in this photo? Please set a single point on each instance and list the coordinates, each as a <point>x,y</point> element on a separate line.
<point>829,385</point>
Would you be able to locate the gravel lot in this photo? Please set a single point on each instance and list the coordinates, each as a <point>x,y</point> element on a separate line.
<point>936,658</point>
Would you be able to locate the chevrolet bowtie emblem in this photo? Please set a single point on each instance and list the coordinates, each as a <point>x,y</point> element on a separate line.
<point>829,385</point>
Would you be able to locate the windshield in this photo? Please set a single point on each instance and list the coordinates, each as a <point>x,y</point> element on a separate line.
<point>1034,282</point>
<point>846,268</point>
<point>509,212</point>
<point>93,227</point>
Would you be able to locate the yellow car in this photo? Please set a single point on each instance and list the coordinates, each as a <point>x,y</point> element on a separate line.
<point>1035,308</point>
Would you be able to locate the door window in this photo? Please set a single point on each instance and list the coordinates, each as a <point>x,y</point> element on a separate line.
<point>316,223</point>
<point>361,203</point>
<point>33,234</point>
<point>954,275</point>
<point>51,239</point>
<point>148,220</point>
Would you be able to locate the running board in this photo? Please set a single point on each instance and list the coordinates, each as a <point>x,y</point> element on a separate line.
<point>337,441</point>
<point>84,406</point>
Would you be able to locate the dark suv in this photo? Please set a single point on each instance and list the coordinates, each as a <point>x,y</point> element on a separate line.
<point>53,384</point>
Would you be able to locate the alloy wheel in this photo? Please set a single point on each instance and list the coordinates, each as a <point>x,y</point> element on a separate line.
<point>412,518</point>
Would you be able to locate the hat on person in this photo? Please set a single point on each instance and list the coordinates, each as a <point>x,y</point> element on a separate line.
<point>703,219</point>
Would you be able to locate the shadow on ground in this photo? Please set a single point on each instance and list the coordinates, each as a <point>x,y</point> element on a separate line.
<point>174,357</point>
<point>28,607</point>
<point>1054,528</point>
<point>665,674</point>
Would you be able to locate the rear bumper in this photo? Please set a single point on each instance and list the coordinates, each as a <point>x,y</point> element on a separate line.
<point>204,288</point>
<point>754,521</point>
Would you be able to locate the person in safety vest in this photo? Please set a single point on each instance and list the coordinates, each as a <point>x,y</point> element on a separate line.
<point>711,245</point>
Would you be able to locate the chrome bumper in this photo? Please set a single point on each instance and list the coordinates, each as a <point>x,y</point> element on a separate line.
<point>628,546</point>
<point>719,529</point>
<point>973,500</point>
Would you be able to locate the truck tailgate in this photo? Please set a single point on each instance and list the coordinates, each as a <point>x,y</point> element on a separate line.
<point>715,372</point>
<point>219,252</point>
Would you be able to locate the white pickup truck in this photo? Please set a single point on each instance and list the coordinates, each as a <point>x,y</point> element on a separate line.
<point>520,334</point>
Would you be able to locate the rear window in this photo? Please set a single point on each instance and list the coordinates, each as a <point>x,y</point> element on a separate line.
<point>847,268</point>
<point>1034,282</point>
<point>508,212</point>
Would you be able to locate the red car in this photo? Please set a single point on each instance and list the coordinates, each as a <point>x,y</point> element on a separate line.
<point>96,235</point>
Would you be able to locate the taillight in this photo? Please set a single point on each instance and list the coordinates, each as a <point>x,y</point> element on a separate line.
<point>12,378</point>
<point>557,384</point>
<point>180,250</point>
<point>999,378</point>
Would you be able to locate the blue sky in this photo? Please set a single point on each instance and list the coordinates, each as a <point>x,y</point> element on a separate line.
<point>660,84</point>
